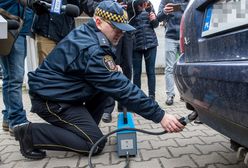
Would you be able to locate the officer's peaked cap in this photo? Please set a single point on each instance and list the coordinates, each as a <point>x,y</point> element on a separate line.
<point>114,12</point>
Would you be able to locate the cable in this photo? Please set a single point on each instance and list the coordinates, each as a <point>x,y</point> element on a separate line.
<point>183,120</point>
<point>127,161</point>
<point>115,131</point>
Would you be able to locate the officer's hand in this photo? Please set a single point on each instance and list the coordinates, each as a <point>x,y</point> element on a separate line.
<point>171,124</point>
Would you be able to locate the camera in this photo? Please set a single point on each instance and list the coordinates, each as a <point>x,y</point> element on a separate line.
<point>39,7</point>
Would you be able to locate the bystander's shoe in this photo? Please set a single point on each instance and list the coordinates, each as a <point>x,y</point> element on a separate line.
<point>169,100</point>
<point>5,125</point>
<point>23,134</point>
<point>107,117</point>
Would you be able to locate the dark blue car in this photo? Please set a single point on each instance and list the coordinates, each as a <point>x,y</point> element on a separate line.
<point>212,72</point>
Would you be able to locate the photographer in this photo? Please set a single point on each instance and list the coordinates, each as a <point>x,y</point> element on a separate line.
<point>50,28</point>
<point>171,11</point>
<point>145,43</point>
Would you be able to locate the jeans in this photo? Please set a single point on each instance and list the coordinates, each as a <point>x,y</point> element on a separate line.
<point>150,58</point>
<point>171,50</point>
<point>13,72</point>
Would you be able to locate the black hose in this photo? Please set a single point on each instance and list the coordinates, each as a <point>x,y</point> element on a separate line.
<point>183,120</point>
<point>127,161</point>
<point>115,131</point>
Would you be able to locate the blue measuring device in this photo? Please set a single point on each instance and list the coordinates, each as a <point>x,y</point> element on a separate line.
<point>126,140</point>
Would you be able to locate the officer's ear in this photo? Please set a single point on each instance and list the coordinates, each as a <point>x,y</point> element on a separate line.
<point>98,21</point>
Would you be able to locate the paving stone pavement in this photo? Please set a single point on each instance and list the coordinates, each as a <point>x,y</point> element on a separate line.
<point>198,146</point>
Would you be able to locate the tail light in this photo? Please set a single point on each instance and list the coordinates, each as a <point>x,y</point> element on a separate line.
<point>182,43</point>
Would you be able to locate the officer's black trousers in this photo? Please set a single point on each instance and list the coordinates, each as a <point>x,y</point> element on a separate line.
<point>73,127</point>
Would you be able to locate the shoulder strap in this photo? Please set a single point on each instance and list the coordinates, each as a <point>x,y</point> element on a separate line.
<point>9,16</point>
<point>21,15</point>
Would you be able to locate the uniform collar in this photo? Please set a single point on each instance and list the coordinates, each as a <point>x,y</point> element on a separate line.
<point>102,39</point>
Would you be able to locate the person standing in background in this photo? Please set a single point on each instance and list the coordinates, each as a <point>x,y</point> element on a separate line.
<point>145,43</point>
<point>124,54</point>
<point>171,11</point>
<point>13,69</point>
<point>51,28</point>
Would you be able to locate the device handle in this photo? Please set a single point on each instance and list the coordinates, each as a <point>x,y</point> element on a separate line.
<point>125,120</point>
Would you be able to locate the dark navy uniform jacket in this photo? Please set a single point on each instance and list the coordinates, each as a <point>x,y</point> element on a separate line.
<point>81,66</point>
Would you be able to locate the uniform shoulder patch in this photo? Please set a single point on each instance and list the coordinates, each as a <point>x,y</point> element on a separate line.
<point>109,63</point>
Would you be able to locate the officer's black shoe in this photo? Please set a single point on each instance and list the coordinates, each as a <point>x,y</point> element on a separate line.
<point>106,117</point>
<point>22,133</point>
<point>169,100</point>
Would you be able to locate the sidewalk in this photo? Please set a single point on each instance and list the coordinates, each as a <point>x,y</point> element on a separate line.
<point>197,146</point>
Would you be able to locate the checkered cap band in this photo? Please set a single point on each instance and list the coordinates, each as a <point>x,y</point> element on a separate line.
<point>112,16</point>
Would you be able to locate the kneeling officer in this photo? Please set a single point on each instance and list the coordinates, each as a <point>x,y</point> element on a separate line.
<point>70,89</point>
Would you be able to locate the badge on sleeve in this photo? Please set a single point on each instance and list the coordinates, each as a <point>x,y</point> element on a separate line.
<point>109,63</point>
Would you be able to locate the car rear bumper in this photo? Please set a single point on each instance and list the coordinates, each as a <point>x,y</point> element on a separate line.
<point>218,91</point>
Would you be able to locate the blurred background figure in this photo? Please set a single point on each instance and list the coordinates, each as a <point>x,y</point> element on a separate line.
<point>50,28</point>
<point>170,12</point>
<point>124,54</point>
<point>145,43</point>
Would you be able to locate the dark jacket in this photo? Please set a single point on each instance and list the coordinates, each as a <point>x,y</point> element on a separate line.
<point>13,7</point>
<point>82,65</point>
<point>172,26</point>
<point>145,36</point>
<point>56,27</point>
